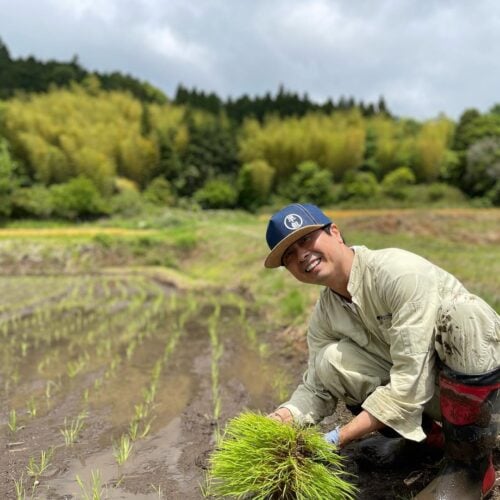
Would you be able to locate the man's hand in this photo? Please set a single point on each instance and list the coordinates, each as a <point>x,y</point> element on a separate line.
<point>283,415</point>
<point>333,437</point>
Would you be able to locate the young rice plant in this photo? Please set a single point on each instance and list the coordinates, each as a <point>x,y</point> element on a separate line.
<point>260,458</point>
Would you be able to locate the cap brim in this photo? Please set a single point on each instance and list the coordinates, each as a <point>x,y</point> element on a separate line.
<point>276,254</point>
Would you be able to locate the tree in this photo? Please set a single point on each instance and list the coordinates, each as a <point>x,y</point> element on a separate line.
<point>255,180</point>
<point>217,193</point>
<point>482,174</point>
<point>77,198</point>
<point>210,151</point>
<point>7,168</point>
<point>361,185</point>
<point>395,184</point>
<point>309,184</point>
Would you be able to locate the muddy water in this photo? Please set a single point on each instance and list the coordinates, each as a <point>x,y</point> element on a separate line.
<point>175,452</point>
<point>170,459</point>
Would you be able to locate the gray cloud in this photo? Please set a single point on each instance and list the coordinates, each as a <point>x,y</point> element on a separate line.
<point>425,57</point>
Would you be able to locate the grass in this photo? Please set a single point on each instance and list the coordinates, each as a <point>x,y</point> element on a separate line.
<point>260,458</point>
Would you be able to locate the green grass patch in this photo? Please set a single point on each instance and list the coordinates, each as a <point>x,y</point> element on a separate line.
<point>260,458</point>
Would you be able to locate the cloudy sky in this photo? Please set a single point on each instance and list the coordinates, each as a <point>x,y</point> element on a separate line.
<point>423,56</point>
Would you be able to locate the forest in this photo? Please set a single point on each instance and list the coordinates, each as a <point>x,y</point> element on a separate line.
<point>76,144</point>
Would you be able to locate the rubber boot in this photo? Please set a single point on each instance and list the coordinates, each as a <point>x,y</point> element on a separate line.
<point>469,408</point>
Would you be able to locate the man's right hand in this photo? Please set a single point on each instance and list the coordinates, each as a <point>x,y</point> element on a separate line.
<point>283,415</point>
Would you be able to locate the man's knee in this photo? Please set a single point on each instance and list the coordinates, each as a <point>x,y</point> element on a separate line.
<point>348,372</point>
<point>467,335</point>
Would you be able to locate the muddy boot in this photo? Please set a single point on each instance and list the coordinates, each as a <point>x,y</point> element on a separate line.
<point>389,447</point>
<point>469,407</point>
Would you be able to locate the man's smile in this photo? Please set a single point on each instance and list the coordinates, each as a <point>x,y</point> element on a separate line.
<point>312,264</point>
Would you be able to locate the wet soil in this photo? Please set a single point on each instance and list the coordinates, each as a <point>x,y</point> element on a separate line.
<point>171,461</point>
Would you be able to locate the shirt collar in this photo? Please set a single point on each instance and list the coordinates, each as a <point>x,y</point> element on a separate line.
<point>357,270</point>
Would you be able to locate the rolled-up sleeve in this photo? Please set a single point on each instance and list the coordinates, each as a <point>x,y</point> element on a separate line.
<point>413,298</point>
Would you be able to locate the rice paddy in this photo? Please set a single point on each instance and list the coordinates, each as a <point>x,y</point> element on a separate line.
<point>123,353</point>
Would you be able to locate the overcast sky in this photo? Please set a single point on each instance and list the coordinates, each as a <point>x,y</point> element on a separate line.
<point>423,56</point>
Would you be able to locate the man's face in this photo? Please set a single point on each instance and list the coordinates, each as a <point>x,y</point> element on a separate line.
<point>316,258</point>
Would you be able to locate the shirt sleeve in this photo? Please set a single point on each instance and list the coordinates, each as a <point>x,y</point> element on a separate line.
<point>311,402</point>
<point>413,300</point>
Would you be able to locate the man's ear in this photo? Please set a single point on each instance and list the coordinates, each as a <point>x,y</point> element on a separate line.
<point>335,232</point>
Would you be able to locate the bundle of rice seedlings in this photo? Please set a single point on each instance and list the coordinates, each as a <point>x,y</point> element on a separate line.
<point>260,458</point>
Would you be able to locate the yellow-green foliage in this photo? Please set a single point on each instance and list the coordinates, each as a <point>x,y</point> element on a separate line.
<point>260,458</point>
<point>422,147</point>
<point>66,133</point>
<point>431,146</point>
<point>334,142</point>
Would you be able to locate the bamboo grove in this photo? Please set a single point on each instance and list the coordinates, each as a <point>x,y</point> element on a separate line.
<point>83,151</point>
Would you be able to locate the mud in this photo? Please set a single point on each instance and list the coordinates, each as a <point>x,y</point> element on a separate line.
<point>171,460</point>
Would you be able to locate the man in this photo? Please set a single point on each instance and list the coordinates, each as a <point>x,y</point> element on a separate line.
<point>387,326</point>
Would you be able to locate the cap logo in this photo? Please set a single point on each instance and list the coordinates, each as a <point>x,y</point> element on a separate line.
<point>293,221</point>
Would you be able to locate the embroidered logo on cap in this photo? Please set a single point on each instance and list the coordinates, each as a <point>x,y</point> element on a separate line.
<point>293,221</point>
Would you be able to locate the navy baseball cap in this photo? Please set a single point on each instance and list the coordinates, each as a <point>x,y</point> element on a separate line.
<point>290,224</point>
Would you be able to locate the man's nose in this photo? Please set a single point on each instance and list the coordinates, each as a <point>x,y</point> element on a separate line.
<point>302,252</point>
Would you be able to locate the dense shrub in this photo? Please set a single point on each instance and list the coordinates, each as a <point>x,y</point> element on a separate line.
<point>35,201</point>
<point>127,203</point>
<point>254,184</point>
<point>7,167</point>
<point>77,198</point>
<point>159,192</point>
<point>361,185</point>
<point>395,183</point>
<point>482,174</point>
<point>217,193</point>
<point>309,184</point>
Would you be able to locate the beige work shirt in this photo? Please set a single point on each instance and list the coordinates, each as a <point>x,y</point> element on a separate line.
<point>396,296</point>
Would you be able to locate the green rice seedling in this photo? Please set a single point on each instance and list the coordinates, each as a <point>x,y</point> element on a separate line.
<point>149,393</point>
<point>122,449</point>
<point>13,423</point>
<point>20,488</point>
<point>76,366</point>
<point>133,430</point>
<point>36,469</point>
<point>158,491</point>
<point>72,431</point>
<point>130,349</point>
<point>141,411</point>
<point>31,407</point>
<point>95,491</point>
<point>50,388</point>
<point>260,458</point>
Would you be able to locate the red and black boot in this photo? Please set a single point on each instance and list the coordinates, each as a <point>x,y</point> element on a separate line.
<point>469,408</point>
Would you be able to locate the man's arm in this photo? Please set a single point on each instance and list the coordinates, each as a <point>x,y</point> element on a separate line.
<point>358,427</point>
